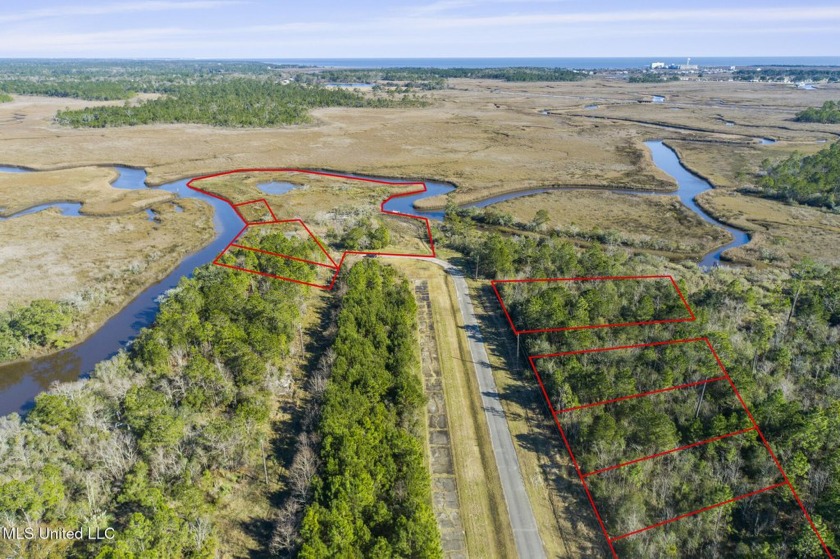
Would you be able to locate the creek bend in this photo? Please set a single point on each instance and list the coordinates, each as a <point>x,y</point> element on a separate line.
<point>21,381</point>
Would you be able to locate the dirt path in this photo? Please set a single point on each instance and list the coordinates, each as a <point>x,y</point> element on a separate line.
<point>444,485</point>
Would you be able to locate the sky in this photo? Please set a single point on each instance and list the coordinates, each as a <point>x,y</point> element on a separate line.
<point>283,29</point>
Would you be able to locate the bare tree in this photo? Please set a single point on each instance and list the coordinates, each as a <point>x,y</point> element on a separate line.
<point>117,454</point>
<point>304,467</point>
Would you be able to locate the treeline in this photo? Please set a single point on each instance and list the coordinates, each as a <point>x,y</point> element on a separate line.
<point>124,69</point>
<point>372,495</point>
<point>96,90</point>
<point>234,102</point>
<point>777,335</point>
<point>162,441</point>
<point>829,113</point>
<point>496,256</point>
<point>39,325</point>
<point>787,74</point>
<point>812,180</point>
<point>437,75</point>
<point>514,74</point>
<point>653,77</point>
<point>101,80</point>
<point>547,304</point>
<point>460,220</point>
<point>382,79</point>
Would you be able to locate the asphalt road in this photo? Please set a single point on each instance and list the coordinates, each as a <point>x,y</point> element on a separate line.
<point>524,524</point>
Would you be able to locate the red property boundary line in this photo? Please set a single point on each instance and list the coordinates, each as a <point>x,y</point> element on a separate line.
<point>286,256</point>
<point>667,452</point>
<point>191,184</point>
<point>582,476</point>
<point>258,201</point>
<point>283,221</point>
<point>516,331</point>
<point>638,394</point>
<point>642,394</point>
<point>704,509</point>
<point>233,244</point>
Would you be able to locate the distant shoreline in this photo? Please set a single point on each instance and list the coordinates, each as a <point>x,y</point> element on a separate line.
<point>583,63</point>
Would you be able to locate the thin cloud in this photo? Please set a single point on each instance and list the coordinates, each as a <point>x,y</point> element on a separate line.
<point>743,18</point>
<point>121,8</point>
<point>443,6</point>
<point>91,40</point>
<point>746,16</point>
<point>459,31</point>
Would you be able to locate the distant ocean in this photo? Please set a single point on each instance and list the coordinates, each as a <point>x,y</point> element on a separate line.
<point>572,63</point>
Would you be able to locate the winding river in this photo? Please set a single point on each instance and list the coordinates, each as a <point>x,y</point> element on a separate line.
<point>689,186</point>
<point>21,381</point>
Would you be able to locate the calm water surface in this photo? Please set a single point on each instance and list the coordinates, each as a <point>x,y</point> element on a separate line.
<point>21,382</point>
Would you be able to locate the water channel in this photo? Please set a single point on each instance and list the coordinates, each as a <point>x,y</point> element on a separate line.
<point>21,381</point>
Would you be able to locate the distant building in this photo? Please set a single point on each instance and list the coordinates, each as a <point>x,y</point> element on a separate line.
<point>657,65</point>
<point>688,66</point>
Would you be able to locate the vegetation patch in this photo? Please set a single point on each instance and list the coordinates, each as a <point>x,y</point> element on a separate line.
<point>576,303</point>
<point>93,264</point>
<point>255,212</point>
<point>37,326</point>
<point>646,493</point>
<point>346,212</point>
<point>796,74</point>
<point>605,436</point>
<point>280,257</point>
<point>588,378</point>
<point>372,496</point>
<point>653,77</point>
<point>435,78</point>
<point>657,223</point>
<point>271,237</point>
<point>235,103</point>
<point>112,80</point>
<point>771,331</point>
<point>95,90</point>
<point>194,397</point>
<point>829,113</point>
<point>812,180</point>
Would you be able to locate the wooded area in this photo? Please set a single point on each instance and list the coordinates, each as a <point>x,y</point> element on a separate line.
<point>159,440</point>
<point>829,113</point>
<point>101,80</point>
<point>778,335</point>
<point>235,102</point>
<point>653,77</point>
<point>95,90</point>
<point>34,327</point>
<point>372,494</point>
<point>793,74</point>
<point>572,304</point>
<point>435,78</point>
<point>812,179</point>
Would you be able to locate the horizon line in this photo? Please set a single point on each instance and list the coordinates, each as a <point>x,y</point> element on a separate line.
<point>547,57</point>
